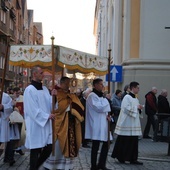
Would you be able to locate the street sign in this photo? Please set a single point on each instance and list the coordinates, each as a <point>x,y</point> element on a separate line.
<point>115,73</point>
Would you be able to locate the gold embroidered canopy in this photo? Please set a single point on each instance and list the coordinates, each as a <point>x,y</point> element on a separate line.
<point>31,55</point>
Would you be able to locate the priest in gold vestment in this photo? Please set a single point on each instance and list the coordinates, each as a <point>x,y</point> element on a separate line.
<point>67,127</point>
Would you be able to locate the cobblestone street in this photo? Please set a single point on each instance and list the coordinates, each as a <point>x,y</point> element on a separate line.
<point>152,154</point>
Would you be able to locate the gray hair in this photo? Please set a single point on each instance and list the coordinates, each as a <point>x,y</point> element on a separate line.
<point>34,70</point>
<point>163,91</point>
<point>154,88</point>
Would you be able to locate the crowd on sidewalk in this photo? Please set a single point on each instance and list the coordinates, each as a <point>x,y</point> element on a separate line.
<point>53,123</point>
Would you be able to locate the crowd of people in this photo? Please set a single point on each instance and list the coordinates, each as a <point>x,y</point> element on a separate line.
<point>53,123</point>
<point>12,128</point>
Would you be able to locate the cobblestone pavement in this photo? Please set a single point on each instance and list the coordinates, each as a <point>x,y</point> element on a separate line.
<point>152,154</point>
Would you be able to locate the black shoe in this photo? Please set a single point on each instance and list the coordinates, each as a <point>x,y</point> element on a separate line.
<point>147,137</point>
<point>6,160</point>
<point>103,168</point>
<point>11,162</point>
<point>154,140</point>
<point>122,162</point>
<point>136,163</point>
<point>139,138</point>
<point>85,146</point>
<point>20,152</point>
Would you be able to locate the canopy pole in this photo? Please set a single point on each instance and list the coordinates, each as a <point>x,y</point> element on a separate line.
<point>5,65</point>
<point>109,57</point>
<point>53,97</point>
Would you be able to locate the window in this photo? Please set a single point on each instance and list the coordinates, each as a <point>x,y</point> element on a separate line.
<point>11,24</point>
<point>3,16</point>
<point>2,62</point>
<point>11,68</point>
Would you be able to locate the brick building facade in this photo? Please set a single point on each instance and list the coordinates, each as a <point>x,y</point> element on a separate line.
<point>16,27</point>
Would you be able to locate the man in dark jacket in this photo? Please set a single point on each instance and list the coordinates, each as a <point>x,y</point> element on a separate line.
<point>150,110</point>
<point>116,104</point>
<point>163,104</point>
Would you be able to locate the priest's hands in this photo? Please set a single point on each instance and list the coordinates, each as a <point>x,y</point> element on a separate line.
<point>140,107</point>
<point>52,116</point>
<point>54,92</point>
<point>109,118</point>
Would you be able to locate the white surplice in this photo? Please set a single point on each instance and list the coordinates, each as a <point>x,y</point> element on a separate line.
<point>4,118</point>
<point>97,108</point>
<point>37,108</point>
<point>128,123</point>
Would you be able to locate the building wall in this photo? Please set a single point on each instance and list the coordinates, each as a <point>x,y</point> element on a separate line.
<point>137,34</point>
<point>155,39</point>
<point>147,54</point>
<point>139,42</point>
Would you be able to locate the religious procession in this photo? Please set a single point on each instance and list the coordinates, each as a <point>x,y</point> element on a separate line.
<point>76,125</point>
<point>55,120</point>
<point>65,109</point>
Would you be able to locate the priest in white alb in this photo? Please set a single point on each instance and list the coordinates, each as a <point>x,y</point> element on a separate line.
<point>38,119</point>
<point>6,108</point>
<point>96,127</point>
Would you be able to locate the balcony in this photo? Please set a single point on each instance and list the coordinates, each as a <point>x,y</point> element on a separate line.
<point>5,5</point>
<point>12,34</point>
<point>13,13</point>
<point>3,28</point>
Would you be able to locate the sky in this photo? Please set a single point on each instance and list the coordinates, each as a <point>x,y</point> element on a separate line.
<point>71,22</point>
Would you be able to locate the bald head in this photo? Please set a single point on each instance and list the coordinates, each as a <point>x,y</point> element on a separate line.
<point>37,74</point>
<point>154,90</point>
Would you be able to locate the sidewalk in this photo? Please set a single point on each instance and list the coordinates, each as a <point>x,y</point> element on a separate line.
<point>152,154</point>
